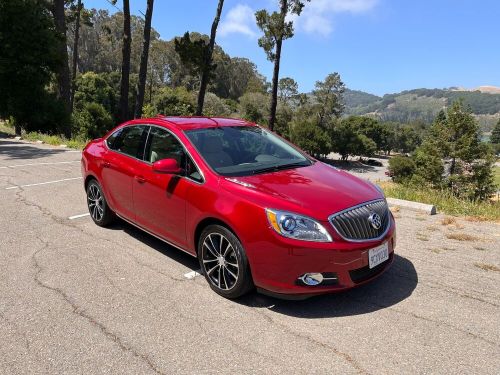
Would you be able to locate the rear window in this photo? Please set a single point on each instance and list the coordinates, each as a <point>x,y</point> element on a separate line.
<point>129,140</point>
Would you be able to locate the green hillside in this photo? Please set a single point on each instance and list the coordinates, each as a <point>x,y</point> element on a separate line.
<point>423,105</point>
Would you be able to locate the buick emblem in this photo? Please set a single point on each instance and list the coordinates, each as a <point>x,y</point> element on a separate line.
<point>375,220</point>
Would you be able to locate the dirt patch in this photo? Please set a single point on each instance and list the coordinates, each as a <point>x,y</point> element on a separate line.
<point>462,237</point>
<point>487,267</point>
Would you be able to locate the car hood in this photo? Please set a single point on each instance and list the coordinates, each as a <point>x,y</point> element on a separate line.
<point>316,191</point>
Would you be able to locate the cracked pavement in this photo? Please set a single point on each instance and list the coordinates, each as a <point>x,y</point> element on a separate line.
<point>76,298</point>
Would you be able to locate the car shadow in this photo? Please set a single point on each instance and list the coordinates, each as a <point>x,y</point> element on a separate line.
<point>17,151</point>
<point>392,287</point>
<point>157,244</point>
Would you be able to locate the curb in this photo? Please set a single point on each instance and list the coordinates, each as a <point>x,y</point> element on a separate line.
<point>429,209</point>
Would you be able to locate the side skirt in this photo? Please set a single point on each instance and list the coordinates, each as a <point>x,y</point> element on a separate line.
<point>155,235</point>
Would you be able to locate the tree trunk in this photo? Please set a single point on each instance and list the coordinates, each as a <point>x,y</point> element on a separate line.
<point>208,60</point>
<point>17,128</point>
<point>75,52</point>
<point>124,86</point>
<point>63,78</point>
<point>143,70</point>
<point>274,92</point>
<point>276,72</point>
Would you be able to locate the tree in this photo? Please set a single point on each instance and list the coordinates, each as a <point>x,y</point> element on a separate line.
<point>310,137</point>
<point>467,162</point>
<point>125,77</point>
<point>287,89</point>
<point>76,38</point>
<point>192,49</point>
<point>63,78</point>
<point>495,134</point>
<point>329,98</point>
<point>28,57</point>
<point>276,29</point>
<point>141,85</point>
<point>207,63</point>
<point>345,140</point>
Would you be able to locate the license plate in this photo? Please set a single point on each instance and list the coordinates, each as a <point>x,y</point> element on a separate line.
<point>378,255</point>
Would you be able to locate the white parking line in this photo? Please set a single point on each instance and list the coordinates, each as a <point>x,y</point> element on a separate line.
<point>43,183</point>
<point>78,216</point>
<point>192,274</point>
<point>36,164</point>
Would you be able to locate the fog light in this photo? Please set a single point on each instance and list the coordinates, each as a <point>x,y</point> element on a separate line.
<point>312,278</point>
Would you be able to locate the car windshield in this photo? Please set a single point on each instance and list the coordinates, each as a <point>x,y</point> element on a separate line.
<point>245,150</point>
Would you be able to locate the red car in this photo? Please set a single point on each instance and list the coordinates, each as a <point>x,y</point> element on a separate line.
<point>254,209</point>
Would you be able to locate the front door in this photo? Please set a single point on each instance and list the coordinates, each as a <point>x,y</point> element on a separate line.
<point>160,199</point>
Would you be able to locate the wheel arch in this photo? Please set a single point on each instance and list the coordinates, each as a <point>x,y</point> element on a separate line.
<point>205,223</point>
<point>88,179</point>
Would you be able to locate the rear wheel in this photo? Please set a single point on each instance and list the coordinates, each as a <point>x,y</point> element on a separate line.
<point>223,262</point>
<point>99,210</point>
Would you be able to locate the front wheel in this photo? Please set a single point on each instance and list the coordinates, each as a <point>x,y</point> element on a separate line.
<point>223,262</point>
<point>99,210</point>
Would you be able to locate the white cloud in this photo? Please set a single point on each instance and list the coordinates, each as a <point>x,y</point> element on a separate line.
<point>240,19</point>
<point>317,16</point>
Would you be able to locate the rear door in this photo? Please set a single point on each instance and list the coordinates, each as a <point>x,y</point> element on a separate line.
<point>122,162</point>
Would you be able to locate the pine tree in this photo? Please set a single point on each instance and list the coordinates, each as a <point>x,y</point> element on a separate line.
<point>141,85</point>
<point>125,77</point>
<point>454,141</point>
<point>276,29</point>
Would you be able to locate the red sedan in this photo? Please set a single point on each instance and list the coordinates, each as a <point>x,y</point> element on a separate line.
<point>254,209</point>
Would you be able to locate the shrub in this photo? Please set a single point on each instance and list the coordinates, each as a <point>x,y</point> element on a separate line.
<point>215,106</point>
<point>92,121</point>
<point>95,88</point>
<point>254,107</point>
<point>174,102</point>
<point>401,168</point>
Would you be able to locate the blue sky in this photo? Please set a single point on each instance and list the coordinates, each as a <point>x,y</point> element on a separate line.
<point>378,46</point>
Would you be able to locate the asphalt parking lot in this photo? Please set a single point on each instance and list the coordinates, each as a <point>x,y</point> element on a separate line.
<point>79,299</point>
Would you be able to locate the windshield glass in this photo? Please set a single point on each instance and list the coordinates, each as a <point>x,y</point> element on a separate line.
<point>244,150</point>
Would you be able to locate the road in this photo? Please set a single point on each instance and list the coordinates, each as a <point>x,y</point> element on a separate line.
<point>79,299</point>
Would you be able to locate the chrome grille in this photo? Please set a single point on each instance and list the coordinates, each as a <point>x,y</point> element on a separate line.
<point>353,224</point>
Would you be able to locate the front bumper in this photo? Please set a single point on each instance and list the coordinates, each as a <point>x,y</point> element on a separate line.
<point>278,271</point>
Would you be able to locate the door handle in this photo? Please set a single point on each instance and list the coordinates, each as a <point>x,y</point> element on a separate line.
<point>140,179</point>
<point>106,164</point>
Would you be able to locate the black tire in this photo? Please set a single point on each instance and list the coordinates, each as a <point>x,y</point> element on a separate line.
<point>219,250</point>
<point>99,210</point>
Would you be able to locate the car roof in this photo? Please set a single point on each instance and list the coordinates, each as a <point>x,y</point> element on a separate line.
<point>195,122</point>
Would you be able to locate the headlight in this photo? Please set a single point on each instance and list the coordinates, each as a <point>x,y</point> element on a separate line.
<point>296,226</point>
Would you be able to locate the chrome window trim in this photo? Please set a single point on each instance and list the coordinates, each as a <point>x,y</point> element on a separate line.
<point>389,224</point>
<point>144,151</point>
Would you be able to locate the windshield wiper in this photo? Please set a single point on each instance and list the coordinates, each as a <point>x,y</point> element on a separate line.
<point>280,167</point>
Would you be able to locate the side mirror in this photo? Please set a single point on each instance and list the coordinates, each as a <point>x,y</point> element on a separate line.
<point>167,166</point>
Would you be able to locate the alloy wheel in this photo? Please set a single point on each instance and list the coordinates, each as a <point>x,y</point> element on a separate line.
<point>95,202</point>
<point>220,262</point>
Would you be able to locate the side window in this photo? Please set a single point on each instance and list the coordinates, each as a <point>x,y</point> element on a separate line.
<point>111,139</point>
<point>129,140</point>
<point>163,145</point>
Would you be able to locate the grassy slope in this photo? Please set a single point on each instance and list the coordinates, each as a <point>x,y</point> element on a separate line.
<point>445,202</point>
